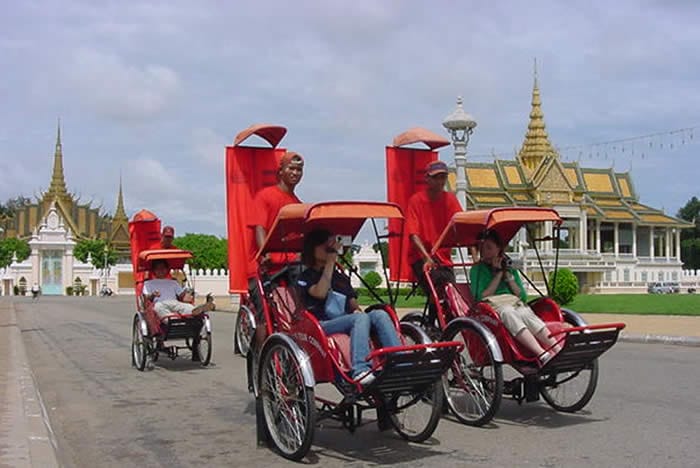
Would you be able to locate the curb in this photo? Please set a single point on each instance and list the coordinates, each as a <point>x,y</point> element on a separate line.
<point>661,339</point>
<point>41,440</point>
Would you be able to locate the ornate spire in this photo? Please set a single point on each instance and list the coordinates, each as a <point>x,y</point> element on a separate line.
<point>120,214</point>
<point>58,182</point>
<point>536,145</point>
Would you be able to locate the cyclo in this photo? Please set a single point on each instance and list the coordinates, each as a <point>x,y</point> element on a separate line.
<point>297,354</point>
<point>474,384</point>
<point>151,334</point>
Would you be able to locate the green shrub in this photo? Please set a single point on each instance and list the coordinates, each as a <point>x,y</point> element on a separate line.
<point>373,279</point>
<point>564,287</point>
<point>69,290</point>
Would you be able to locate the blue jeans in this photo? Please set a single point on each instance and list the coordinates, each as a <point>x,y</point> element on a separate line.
<point>358,326</point>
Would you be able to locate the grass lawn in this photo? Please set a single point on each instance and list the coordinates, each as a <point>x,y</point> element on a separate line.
<point>642,304</point>
<point>414,302</point>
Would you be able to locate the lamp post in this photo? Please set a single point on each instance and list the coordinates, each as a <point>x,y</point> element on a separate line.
<point>105,251</point>
<point>460,126</point>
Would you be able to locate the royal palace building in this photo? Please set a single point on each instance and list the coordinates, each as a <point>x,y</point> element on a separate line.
<point>52,225</point>
<point>609,239</point>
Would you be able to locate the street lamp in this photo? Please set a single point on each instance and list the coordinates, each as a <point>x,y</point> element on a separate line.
<point>104,284</point>
<point>460,126</point>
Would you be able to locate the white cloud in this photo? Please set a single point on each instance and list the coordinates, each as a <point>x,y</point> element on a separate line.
<point>115,89</point>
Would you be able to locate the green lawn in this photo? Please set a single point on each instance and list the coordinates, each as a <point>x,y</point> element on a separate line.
<point>642,304</point>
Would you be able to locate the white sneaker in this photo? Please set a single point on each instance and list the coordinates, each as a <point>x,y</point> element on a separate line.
<point>365,378</point>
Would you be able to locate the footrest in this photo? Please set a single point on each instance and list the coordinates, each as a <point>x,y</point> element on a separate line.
<point>413,368</point>
<point>582,345</point>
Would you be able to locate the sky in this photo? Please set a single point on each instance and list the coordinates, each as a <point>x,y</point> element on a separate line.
<point>153,91</point>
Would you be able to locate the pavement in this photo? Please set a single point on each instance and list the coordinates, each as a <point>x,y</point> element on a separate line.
<point>27,439</point>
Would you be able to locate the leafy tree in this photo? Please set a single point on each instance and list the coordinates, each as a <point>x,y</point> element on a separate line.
<point>691,212</point>
<point>10,246</point>
<point>209,251</point>
<point>383,249</point>
<point>564,286</point>
<point>95,248</point>
<point>690,253</point>
<point>373,279</point>
<point>12,205</point>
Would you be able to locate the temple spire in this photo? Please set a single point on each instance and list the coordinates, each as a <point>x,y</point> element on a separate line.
<point>536,145</point>
<point>120,214</point>
<point>58,182</point>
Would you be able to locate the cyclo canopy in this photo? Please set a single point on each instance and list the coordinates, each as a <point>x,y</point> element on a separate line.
<point>339,217</point>
<point>466,227</point>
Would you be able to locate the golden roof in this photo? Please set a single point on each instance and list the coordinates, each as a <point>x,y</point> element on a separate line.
<point>618,214</point>
<point>536,145</point>
<point>570,174</point>
<point>624,187</point>
<point>513,175</point>
<point>490,198</point>
<point>596,182</point>
<point>520,197</point>
<point>657,218</point>
<point>482,177</point>
<point>608,203</point>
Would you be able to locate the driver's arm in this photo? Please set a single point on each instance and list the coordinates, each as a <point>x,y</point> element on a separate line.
<point>419,245</point>
<point>260,235</point>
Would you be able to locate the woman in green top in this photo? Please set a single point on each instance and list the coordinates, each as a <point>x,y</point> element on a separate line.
<point>492,281</point>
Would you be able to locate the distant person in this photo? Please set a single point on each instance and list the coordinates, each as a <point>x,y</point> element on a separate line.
<point>266,205</point>
<point>167,294</point>
<point>166,238</point>
<point>36,290</point>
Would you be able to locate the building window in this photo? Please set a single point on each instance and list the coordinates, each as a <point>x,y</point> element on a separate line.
<point>607,238</point>
<point>644,276</point>
<point>626,275</point>
<point>643,241</point>
<point>608,276</point>
<point>366,267</point>
<point>625,238</point>
<point>591,235</point>
<point>674,276</point>
<point>659,243</point>
<point>569,234</point>
<point>660,276</point>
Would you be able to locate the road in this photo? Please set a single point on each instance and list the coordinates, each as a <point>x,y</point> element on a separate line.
<point>646,410</point>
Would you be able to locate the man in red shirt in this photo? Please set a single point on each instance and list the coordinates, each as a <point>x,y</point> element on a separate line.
<point>429,211</point>
<point>166,238</point>
<point>266,205</point>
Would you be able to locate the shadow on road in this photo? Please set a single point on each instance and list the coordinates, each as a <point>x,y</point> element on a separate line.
<point>540,415</point>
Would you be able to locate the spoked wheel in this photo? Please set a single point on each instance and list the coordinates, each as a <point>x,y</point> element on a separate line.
<point>415,415</point>
<point>570,391</point>
<point>244,331</point>
<point>204,346</point>
<point>288,404</point>
<point>139,347</point>
<point>473,384</point>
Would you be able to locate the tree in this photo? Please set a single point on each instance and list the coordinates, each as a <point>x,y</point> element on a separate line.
<point>564,286</point>
<point>10,246</point>
<point>95,249</point>
<point>209,251</point>
<point>373,279</point>
<point>12,205</point>
<point>690,253</point>
<point>691,212</point>
<point>383,249</point>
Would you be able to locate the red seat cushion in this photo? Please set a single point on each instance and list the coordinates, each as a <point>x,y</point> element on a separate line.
<point>339,344</point>
<point>286,307</point>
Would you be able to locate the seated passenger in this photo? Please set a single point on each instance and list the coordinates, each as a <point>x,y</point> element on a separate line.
<point>495,283</point>
<point>167,294</point>
<point>328,295</point>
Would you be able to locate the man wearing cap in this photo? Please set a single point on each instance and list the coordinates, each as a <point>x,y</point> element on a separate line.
<point>266,205</point>
<point>429,211</point>
<point>166,238</point>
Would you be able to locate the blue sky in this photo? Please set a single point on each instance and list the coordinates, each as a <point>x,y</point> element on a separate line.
<point>155,90</point>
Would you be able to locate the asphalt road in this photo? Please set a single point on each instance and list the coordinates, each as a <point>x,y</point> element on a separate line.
<point>646,410</point>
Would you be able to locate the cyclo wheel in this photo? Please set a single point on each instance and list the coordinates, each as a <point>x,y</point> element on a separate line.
<point>243,333</point>
<point>570,391</point>
<point>139,348</point>
<point>415,415</point>
<point>287,403</point>
<point>473,384</point>
<point>204,346</point>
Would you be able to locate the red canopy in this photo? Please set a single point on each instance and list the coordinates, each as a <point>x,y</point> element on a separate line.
<point>176,258</point>
<point>340,217</point>
<point>466,227</point>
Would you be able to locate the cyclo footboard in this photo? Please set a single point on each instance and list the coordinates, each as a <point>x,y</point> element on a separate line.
<point>413,368</point>
<point>582,345</point>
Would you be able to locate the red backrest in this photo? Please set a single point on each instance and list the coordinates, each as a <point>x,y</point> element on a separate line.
<point>286,307</point>
<point>459,305</point>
